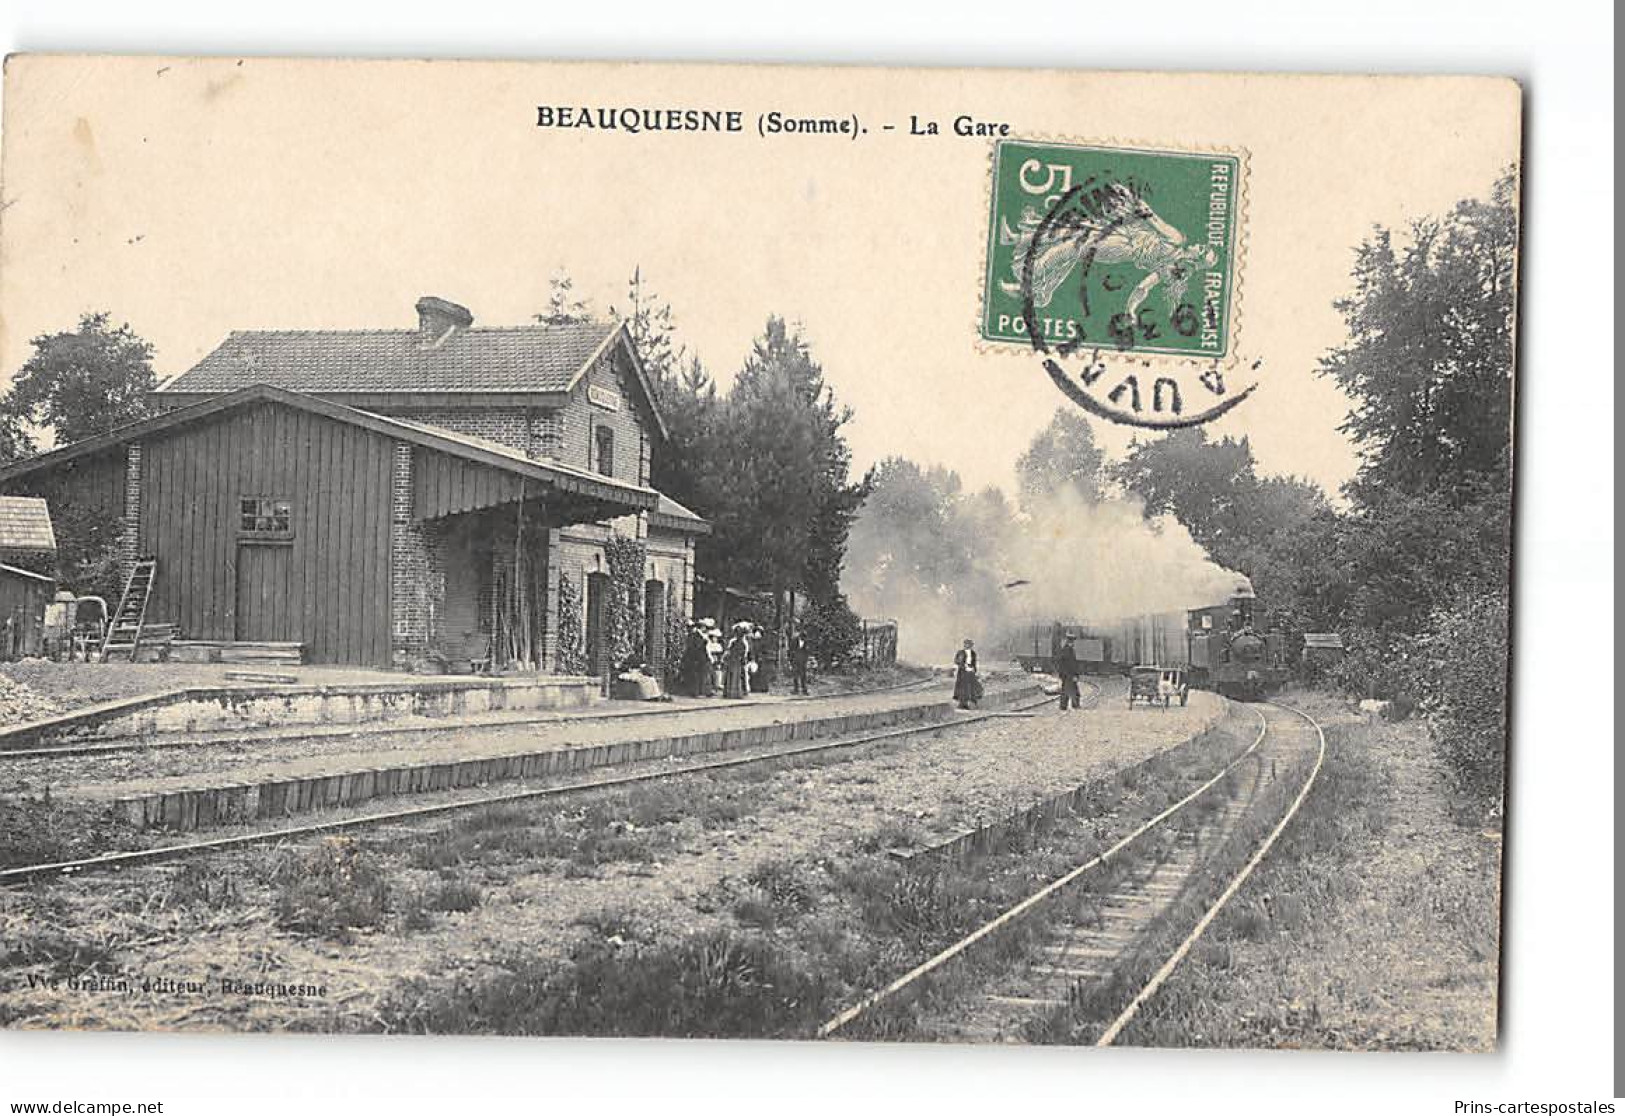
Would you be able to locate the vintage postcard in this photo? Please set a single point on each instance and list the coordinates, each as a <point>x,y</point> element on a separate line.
<point>825,554</point>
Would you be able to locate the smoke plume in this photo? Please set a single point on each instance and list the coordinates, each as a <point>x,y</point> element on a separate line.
<point>1061,557</point>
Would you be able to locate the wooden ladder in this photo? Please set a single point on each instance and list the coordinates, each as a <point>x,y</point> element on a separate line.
<point>124,630</point>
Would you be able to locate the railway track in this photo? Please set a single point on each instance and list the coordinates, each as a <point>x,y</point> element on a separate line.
<point>184,850</point>
<point>1089,943</point>
<point>70,748</point>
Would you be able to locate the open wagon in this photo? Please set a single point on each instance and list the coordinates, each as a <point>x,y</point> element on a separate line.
<point>1153,685</point>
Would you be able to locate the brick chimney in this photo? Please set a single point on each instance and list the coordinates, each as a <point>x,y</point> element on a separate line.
<point>439,318</point>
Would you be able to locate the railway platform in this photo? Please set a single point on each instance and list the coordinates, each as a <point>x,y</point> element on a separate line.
<point>266,777</point>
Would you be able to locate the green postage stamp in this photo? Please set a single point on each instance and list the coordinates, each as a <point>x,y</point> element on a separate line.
<point>1113,249</point>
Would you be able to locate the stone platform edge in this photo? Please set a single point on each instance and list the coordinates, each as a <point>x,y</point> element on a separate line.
<point>234,705</point>
<point>242,803</point>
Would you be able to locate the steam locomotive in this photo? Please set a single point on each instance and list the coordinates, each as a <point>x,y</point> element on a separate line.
<point>1219,646</point>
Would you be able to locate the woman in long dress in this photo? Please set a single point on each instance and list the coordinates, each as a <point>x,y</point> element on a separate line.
<point>696,663</point>
<point>713,662</point>
<point>967,687</point>
<point>733,668</point>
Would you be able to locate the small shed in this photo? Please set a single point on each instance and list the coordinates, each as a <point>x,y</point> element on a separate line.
<point>24,595</point>
<point>27,539</point>
<point>1323,648</point>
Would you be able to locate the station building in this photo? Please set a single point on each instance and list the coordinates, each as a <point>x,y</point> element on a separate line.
<point>449,494</point>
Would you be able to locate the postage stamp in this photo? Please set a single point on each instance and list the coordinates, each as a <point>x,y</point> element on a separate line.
<point>1110,246</point>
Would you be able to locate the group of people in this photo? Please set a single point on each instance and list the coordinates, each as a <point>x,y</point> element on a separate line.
<point>729,663</point>
<point>968,682</point>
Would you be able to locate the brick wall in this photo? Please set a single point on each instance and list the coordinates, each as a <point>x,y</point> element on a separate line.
<point>417,579</point>
<point>534,432</point>
<point>574,557</point>
<point>671,561</point>
<point>547,433</point>
<point>611,379</point>
<point>578,550</point>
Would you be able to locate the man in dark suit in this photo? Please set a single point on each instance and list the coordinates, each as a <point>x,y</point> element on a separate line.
<point>1066,665</point>
<point>798,663</point>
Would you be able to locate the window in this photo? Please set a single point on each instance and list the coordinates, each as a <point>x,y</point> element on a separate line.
<point>265,517</point>
<point>604,439</point>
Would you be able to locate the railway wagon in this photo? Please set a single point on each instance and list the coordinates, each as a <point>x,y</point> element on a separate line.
<point>1154,639</point>
<point>1038,645</point>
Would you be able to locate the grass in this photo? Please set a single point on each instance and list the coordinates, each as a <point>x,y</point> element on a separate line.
<point>859,678</point>
<point>800,939</point>
<point>40,830</point>
<point>1375,895</point>
<point>636,826</point>
<point>333,890</point>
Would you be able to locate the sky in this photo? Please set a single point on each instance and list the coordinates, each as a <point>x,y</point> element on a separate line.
<point>189,198</point>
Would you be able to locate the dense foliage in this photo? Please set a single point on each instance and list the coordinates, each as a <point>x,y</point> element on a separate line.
<point>765,462</point>
<point>623,604</point>
<point>572,648</point>
<point>1414,572</point>
<point>76,384</point>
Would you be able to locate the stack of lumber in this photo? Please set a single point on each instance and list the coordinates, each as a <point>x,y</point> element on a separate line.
<point>237,651</point>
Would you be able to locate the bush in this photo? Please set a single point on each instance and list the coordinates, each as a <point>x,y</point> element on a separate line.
<point>623,604</point>
<point>833,631</point>
<point>1464,689</point>
<point>454,895</point>
<point>1375,665</point>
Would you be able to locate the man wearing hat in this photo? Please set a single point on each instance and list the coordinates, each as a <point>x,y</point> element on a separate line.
<point>1066,665</point>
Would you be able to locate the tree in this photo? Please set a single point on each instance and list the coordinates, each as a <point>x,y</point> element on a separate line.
<point>1417,573</point>
<point>78,384</point>
<point>685,394</point>
<point>1428,363</point>
<point>1063,457</point>
<point>563,305</point>
<point>685,466</point>
<point>1203,484</point>
<point>15,441</point>
<point>654,333</point>
<point>783,499</point>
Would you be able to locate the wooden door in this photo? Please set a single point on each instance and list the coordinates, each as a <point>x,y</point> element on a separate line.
<point>265,605</point>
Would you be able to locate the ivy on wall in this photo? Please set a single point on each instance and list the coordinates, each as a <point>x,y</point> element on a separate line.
<point>572,639</point>
<point>623,604</point>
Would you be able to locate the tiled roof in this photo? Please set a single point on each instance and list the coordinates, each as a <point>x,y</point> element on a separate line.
<point>25,524</point>
<point>669,513</point>
<point>520,359</point>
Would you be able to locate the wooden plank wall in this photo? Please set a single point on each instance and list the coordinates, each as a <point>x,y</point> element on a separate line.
<point>448,485</point>
<point>22,601</point>
<point>94,484</point>
<point>338,479</point>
